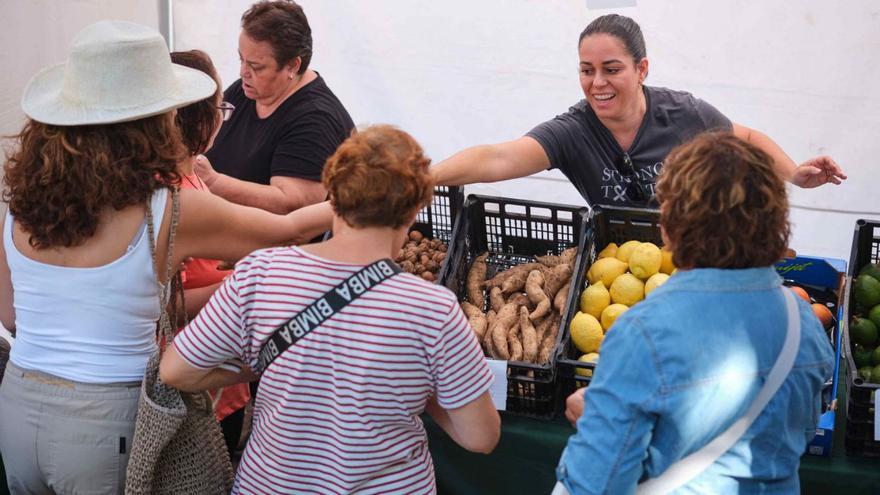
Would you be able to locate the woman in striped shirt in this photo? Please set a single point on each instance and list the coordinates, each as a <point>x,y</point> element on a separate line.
<point>338,412</point>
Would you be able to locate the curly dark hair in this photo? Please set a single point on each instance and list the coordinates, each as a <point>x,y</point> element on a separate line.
<point>59,179</point>
<point>722,204</point>
<point>378,177</point>
<point>282,24</point>
<point>198,121</point>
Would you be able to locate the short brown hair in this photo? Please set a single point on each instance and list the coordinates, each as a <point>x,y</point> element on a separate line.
<point>58,179</point>
<point>722,204</point>
<point>282,24</point>
<point>198,121</point>
<point>378,178</point>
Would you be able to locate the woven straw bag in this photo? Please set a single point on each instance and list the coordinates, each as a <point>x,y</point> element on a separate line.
<point>178,447</point>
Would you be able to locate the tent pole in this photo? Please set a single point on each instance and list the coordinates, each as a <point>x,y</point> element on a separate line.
<point>166,21</point>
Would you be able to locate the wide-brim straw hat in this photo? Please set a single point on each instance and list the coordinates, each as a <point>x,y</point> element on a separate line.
<point>116,71</point>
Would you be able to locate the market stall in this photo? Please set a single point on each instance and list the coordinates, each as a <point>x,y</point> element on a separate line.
<point>526,458</point>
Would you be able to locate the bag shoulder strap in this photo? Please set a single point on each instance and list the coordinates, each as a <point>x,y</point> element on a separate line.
<point>689,467</point>
<point>319,311</point>
<point>165,326</point>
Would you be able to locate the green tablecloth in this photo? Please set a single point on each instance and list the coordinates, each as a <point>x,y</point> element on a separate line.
<point>526,456</point>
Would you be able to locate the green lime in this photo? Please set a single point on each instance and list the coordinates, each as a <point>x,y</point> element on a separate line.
<point>875,358</point>
<point>863,331</point>
<point>874,315</point>
<point>872,269</point>
<point>867,290</point>
<point>865,373</point>
<point>875,375</point>
<point>862,355</point>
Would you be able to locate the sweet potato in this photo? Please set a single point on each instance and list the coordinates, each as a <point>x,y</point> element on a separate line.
<point>561,298</point>
<point>535,291</point>
<point>549,342</point>
<point>541,327</point>
<point>515,282</point>
<point>490,316</point>
<point>429,276</point>
<point>514,343</point>
<point>520,299</point>
<point>505,319</point>
<point>416,236</point>
<point>500,277</point>
<point>549,260</point>
<point>559,276</point>
<point>529,336</point>
<point>496,300</point>
<point>475,277</point>
<point>568,256</point>
<point>478,321</point>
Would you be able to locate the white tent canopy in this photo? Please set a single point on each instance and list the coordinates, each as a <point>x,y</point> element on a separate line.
<point>458,73</point>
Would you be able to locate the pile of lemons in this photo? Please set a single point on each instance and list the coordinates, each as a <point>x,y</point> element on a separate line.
<point>619,278</point>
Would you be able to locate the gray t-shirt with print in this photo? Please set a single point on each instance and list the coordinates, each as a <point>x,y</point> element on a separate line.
<point>584,150</point>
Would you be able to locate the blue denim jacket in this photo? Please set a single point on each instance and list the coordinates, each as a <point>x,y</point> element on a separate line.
<point>679,368</point>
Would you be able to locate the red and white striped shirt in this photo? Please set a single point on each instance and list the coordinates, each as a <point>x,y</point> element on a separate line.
<point>338,411</point>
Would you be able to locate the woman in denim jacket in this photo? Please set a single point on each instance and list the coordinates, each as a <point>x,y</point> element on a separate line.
<point>680,367</point>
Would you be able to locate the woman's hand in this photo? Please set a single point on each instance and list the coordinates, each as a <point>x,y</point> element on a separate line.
<point>574,406</point>
<point>816,172</point>
<point>205,171</point>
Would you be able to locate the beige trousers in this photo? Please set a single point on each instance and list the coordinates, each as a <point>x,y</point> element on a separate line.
<point>64,437</point>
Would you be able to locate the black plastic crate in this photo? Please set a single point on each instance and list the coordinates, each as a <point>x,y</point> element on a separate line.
<point>438,218</point>
<point>858,437</point>
<point>859,398</point>
<point>607,224</point>
<point>514,232</point>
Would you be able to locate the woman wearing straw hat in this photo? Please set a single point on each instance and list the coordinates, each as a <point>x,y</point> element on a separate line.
<point>87,187</point>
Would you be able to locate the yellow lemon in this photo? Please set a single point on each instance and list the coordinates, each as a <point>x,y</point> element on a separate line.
<point>666,264</point>
<point>626,249</point>
<point>610,314</point>
<point>610,251</point>
<point>586,332</point>
<point>645,260</point>
<point>606,270</point>
<point>627,289</point>
<point>655,281</point>
<point>594,299</point>
<point>591,357</point>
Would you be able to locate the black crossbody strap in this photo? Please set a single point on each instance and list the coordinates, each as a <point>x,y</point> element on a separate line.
<point>315,314</point>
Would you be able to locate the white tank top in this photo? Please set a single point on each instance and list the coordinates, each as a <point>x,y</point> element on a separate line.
<point>92,325</point>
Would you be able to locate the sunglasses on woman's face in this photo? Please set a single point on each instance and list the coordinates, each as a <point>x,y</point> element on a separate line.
<point>633,189</point>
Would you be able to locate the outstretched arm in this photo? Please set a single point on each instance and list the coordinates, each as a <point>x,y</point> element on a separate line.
<point>492,162</point>
<point>812,173</point>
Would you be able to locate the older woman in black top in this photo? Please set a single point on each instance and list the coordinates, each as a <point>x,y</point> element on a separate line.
<point>286,123</point>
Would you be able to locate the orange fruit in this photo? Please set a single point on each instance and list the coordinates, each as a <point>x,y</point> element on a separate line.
<point>801,293</point>
<point>824,314</point>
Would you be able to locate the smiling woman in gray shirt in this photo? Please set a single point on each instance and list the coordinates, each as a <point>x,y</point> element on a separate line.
<point>612,144</point>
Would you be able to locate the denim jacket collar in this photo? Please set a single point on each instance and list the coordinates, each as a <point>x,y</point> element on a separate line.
<point>724,280</point>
